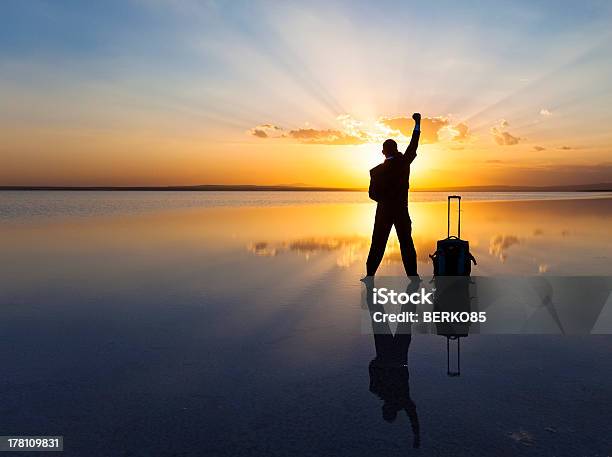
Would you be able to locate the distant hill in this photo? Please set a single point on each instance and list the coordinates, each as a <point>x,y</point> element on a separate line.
<point>202,187</point>
<point>598,187</point>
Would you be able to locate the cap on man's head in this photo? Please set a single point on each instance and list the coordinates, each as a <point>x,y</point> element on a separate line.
<point>389,147</point>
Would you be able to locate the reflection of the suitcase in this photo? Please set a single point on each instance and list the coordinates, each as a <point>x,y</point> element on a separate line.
<point>453,295</point>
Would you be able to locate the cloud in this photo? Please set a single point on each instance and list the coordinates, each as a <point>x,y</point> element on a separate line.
<point>329,136</point>
<point>351,126</point>
<point>502,137</point>
<point>539,148</point>
<point>430,126</point>
<point>494,161</point>
<point>266,131</point>
<point>566,148</point>
<point>349,135</point>
<point>351,131</point>
<point>545,112</point>
<point>403,125</point>
<point>433,129</point>
<point>259,133</point>
<point>463,132</point>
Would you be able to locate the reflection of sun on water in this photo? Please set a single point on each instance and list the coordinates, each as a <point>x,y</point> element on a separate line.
<point>506,237</point>
<point>348,250</point>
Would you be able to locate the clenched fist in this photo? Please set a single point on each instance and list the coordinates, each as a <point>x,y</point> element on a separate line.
<point>416,117</point>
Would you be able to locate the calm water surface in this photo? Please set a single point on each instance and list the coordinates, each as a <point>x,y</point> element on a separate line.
<point>229,324</point>
<point>18,205</point>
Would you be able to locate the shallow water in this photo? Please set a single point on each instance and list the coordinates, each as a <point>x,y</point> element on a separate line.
<point>161,325</point>
<point>19,205</point>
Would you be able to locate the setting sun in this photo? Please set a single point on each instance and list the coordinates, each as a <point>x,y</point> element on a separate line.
<point>260,95</point>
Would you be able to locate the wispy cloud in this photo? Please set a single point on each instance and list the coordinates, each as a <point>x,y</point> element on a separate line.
<point>354,131</point>
<point>502,137</point>
<point>349,133</point>
<point>266,131</point>
<point>329,137</point>
<point>433,129</point>
<point>462,132</point>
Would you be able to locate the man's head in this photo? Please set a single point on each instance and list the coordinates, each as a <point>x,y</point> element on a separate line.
<point>389,412</point>
<point>389,148</point>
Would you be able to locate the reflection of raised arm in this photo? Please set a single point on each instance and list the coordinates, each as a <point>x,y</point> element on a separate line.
<point>414,141</point>
<point>414,423</point>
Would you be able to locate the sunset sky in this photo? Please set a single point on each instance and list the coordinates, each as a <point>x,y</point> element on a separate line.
<point>185,92</point>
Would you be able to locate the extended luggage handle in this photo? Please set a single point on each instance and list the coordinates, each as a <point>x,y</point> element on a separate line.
<point>458,197</point>
<point>449,372</point>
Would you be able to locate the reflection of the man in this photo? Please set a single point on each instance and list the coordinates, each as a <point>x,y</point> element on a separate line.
<point>389,376</point>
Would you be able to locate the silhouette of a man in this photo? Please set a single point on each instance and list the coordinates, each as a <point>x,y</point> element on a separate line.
<point>389,184</point>
<point>389,376</point>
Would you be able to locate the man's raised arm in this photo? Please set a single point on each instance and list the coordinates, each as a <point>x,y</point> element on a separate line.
<point>410,153</point>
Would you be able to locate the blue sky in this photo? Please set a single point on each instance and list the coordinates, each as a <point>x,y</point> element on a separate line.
<point>166,83</point>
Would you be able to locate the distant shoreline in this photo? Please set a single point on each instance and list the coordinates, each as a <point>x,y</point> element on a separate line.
<point>599,187</point>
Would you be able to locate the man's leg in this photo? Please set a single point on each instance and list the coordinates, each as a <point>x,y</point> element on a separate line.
<point>382,227</point>
<point>403,228</point>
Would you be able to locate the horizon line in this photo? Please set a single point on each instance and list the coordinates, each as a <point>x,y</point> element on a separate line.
<point>594,187</point>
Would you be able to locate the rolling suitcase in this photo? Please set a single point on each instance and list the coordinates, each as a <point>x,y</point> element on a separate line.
<point>452,256</point>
